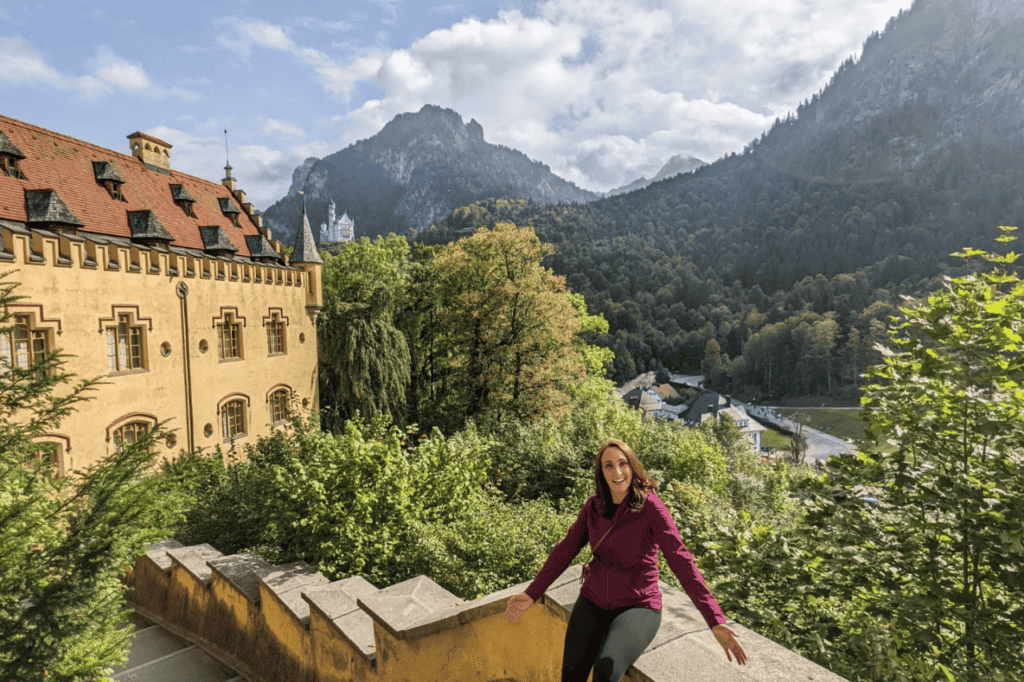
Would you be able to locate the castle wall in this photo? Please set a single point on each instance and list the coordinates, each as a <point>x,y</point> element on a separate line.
<point>290,624</point>
<point>74,287</point>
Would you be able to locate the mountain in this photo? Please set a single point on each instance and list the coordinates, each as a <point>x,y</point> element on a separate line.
<point>414,172</point>
<point>912,151</point>
<point>674,166</point>
<point>945,75</point>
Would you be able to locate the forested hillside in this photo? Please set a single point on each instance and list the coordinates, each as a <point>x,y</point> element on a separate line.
<point>776,269</point>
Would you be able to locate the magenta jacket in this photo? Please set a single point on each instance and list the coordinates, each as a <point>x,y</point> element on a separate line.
<point>624,571</point>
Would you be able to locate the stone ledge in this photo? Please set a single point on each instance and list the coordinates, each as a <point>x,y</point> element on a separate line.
<point>240,571</point>
<point>407,610</point>
<point>193,559</point>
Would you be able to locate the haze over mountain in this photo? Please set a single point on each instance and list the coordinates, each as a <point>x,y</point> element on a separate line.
<point>674,166</point>
<point>414,172</point>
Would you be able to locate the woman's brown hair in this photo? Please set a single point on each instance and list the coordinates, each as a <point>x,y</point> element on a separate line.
<point>638,487</point>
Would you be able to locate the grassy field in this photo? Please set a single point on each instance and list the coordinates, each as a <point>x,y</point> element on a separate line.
<point>841,423</point>
<point>773,439</point>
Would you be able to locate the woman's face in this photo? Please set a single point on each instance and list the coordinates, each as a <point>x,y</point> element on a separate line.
<point>617,472</point>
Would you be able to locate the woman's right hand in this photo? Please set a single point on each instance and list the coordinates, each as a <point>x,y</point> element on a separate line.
<point>517,606</point>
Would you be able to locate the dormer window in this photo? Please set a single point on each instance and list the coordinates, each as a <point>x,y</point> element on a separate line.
<point>108,176</point>
<point>183,199</point>
<point>228,208</point>
<point>9,156</point>
<point>9,166</point>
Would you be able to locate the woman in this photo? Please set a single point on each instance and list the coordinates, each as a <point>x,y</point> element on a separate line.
<point>619,608</point>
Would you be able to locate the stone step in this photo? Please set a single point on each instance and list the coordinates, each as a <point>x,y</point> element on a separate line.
<point>241,570</point>
<point>338,602</point>
<point>151,643</point>
<point>194,559</point>
<point>191,664</point>
<point>289,581</point>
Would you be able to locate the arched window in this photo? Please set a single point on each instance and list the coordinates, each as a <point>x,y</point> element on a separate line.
<point>233,420</point>
<point>279,405</point>
<point>129,433</point>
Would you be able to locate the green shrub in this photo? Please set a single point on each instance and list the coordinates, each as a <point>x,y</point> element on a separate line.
<point>490,546</point>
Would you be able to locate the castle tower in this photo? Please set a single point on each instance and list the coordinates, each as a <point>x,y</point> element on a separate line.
<point>346,228</point>
<point>332,222</point>
<point>306,255</point>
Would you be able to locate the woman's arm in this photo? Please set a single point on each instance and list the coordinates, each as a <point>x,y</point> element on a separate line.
<point>682,564</point>
<point>562,555</point>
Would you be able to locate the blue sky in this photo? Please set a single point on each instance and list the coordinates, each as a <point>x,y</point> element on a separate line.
<point>603,91</point>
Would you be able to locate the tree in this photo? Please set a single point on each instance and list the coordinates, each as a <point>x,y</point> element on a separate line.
<point>506,332</point>
<point>712,366</point>
<point>366,361</point>
<point>64,542</point>
<point>949,397</point>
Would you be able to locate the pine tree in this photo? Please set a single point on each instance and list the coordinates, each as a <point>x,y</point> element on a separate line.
<point>65,541</point>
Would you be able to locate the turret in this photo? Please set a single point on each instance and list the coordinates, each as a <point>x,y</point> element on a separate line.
<point>306,255</point>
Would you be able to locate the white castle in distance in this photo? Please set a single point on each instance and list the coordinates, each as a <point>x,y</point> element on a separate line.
<point>335,230</point>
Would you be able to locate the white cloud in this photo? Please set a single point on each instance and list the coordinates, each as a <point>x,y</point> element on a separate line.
<point>333,76</point>
<point>605,90</point>
<point>118,73</point>
<point>272,125</point>
<point>22,64</point>
<point>265,173</point>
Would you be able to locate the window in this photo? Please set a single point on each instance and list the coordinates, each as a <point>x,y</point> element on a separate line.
<point>22,346</point>
<point>125,345</point>
<point>279,406</point>
<point>51,455</point>
<point>128,434</point>
<point>115,190</point>
<point>9,166</point>
<point>275,335</point>
<point>229,334</point>
<point>232,419</point>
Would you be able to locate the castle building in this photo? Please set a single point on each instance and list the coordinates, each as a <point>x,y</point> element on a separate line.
<point>167,286</point>
<point>335,230</point>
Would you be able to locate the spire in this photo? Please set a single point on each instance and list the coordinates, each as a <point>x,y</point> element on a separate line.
<point>305,246</point>
<point>227,156</point>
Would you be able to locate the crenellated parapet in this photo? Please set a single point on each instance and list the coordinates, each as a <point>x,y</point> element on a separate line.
<point>289,622</point>
<point>28,246</point>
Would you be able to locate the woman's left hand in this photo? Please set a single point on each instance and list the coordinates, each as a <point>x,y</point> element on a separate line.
<point>727,638</point>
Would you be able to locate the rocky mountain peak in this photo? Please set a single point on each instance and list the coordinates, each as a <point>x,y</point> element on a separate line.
<point>419,168</point>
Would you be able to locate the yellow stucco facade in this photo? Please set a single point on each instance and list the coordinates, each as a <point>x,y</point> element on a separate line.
<point>183,380</point>
<point>165,286</point>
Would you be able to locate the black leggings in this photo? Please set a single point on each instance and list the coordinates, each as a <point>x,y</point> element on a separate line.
<point>607,641</point>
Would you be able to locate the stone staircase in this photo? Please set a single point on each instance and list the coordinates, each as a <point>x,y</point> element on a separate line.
<point>159,656</point>
<point>203,616</point>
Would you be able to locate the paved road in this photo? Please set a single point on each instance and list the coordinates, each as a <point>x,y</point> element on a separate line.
<point>820,445</point>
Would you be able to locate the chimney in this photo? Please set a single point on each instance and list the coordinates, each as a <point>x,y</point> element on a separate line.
<point>152,151</point>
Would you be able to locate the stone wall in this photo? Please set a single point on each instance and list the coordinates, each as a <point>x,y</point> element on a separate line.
<point>289,623</point>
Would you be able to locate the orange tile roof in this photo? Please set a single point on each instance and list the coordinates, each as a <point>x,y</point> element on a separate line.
<point>62,163</point>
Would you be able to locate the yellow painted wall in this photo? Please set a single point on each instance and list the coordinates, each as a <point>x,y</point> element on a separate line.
<point>485,650</point>
<point>75,301</point>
